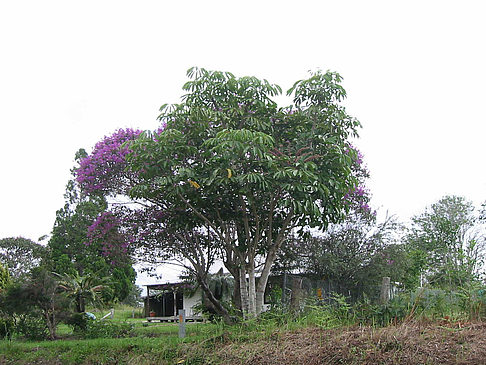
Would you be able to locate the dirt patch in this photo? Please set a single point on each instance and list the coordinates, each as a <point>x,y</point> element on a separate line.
<point>405,344</point>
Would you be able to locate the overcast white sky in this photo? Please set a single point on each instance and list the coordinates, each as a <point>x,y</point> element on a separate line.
<point>74,71</point>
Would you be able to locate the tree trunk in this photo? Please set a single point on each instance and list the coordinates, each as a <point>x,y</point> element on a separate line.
<point>50,325</point>
<point>244,293</point>
<point>80,307</point>
<point>262,282</point>
<point>236,293</point>
<point>252,312</point>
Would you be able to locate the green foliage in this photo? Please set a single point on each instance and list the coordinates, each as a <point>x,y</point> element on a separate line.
<point>134,297</point>
<point>354,255</point>
<point>82,290</point>
<point>7,327</point>
<point>107,329</point>
<point>443,244</point>
<point>4,277</point>
<point>229,161</point>
<point>32,328</point>
<point>69,252</point>
<point>78,322</point>
<point>37,297</point>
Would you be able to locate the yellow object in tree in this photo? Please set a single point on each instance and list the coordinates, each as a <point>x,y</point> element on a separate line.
<point>194,184</point>
<point>229,173</point>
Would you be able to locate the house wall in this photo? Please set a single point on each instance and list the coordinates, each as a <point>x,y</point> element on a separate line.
<point>190,302</point>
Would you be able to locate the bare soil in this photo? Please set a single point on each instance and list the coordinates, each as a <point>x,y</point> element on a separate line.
<point>411,343</point>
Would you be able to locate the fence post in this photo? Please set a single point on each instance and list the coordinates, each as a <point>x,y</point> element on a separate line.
<point>385,290</point>
<point>182,323</point>
<point>296,297</point>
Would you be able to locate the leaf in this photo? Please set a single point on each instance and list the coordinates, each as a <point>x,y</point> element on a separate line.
<point>194,184</point>
<point>229,173</point>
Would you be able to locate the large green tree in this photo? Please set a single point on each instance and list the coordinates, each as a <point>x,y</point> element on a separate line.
<point>229,162</point>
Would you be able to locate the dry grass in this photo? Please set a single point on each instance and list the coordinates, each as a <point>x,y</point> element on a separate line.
<point>411,343</point>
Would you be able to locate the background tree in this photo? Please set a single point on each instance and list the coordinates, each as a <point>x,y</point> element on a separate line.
<point>352,255</point>
<point>444,244</point>
<point>20,255</point>
<point>230,161</point>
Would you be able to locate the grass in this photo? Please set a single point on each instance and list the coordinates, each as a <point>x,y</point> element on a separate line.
<point>263,342</point>
<point>337,333</point>
<point>156,341</point>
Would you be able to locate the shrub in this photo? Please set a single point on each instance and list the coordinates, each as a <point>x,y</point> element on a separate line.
<point>32,328</point>
<point>78,321</point>
<point>7,328</point>
<point>107,329</point>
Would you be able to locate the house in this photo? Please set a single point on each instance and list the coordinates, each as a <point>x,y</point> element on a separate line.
<point>163,302</point>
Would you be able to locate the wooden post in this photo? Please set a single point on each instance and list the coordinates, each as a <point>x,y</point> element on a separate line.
<point>385,290</point>
<point>182,323</point>
<point>175,304</point>
<point>163,304</point>
<point>296,297</point>
<point>147,307</point>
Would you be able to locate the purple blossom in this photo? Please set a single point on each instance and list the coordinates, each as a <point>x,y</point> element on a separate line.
<point>102,168</point>
<point>359,155</point>
<point>106,231</point>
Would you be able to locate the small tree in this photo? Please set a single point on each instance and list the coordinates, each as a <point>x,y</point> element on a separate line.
<point>444,244</point>
<point>36,297</point>
<point>82,289</point>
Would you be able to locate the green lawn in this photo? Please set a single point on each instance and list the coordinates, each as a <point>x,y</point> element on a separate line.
<point>154,342</point>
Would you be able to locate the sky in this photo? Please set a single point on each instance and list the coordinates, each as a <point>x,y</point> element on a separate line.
<point>72,72</point>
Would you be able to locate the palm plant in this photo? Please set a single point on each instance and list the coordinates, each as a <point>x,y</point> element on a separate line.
<point>82,289</point>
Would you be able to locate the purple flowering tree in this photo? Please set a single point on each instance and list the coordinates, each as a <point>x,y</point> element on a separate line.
<point>151,232</point>
<point>104,171</point>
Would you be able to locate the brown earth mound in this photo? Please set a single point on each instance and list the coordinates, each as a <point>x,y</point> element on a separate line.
<point>404,344</point>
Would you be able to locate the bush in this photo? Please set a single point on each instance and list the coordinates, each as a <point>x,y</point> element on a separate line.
<point>7,328</point>
<point>32,328</point>
<point>78,321</point>
<point>107,329</point>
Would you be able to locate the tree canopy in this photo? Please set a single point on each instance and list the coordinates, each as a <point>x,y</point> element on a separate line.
<point>20,255</point>
<point>445,247</point>
<point>230,164</point>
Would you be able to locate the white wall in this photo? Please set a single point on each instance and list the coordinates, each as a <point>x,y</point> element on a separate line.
<point>190,302</point>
